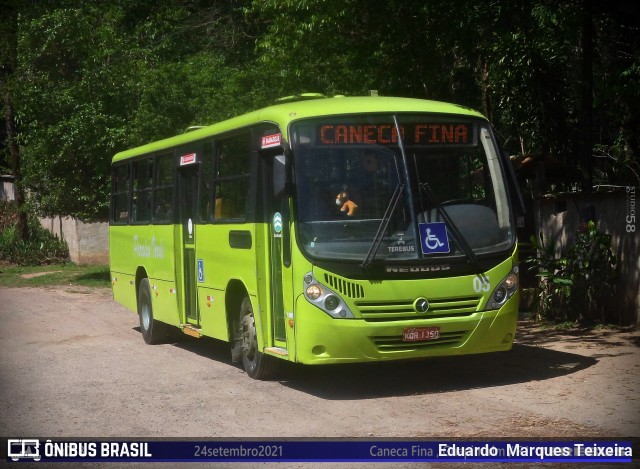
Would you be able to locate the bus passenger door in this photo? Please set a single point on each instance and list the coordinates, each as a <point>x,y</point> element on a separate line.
<point>188,193</point>
<point>280,251</point>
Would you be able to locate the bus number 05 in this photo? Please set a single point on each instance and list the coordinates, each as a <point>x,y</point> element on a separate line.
<point>481,284</point>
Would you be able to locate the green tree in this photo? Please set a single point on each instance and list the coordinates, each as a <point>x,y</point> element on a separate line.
<point>92,79</point>
<point>617,93</point>
<point>78,81</point>
<point>521,63</point>
<point>8,58</point>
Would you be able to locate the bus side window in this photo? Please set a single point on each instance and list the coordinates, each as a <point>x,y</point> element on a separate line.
<point>120,194</point>
<point>163,188</point>
<point>142,179</point>
<point>232,176</point>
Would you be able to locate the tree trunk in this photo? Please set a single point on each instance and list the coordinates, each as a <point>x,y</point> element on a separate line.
<point>586,141</point>
<point>486,97</point>
<point>14,153</point>
<point>8,56</point>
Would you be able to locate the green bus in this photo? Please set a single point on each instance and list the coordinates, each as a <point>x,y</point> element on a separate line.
<point>322,230</point>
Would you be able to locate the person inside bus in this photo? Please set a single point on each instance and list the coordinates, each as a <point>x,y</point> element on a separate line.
<point>371,184</point>
<point>163,212</point>
<point>316,195</point>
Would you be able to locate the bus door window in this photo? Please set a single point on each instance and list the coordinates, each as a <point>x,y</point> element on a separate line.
<point>277,206</point>
<point>205,206</point>
<point>188,196</point>
<point>142,183</point>
<point>188,191</point>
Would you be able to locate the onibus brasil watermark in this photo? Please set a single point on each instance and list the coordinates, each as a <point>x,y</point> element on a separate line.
<point>33,449</point>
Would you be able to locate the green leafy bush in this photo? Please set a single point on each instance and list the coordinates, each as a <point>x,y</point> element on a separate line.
<point>579,286</point>
<point>41,247</point>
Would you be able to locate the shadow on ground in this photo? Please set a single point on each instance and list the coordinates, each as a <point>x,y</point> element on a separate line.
<point>435,375</point>
<point>525,362</point>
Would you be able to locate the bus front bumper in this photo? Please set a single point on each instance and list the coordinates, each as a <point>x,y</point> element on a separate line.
<point>322,339</point>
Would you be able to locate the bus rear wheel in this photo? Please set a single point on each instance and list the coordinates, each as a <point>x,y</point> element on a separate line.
<point>153,331</point>
<point>256,364</point>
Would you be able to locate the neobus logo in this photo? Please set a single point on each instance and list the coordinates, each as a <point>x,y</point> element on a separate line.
<point>400,269</point>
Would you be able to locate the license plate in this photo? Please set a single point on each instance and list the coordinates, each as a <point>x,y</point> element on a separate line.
<point>417,334</point>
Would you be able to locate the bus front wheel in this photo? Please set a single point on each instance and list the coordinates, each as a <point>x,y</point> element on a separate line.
<point>256,364</point>
<point>153,332</point>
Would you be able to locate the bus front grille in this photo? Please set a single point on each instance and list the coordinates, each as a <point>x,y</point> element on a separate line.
<point>403,310</point>
<point>344,287</point>
<point>396,344</point>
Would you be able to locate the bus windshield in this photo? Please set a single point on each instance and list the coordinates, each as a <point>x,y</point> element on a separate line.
<point>444,196</point>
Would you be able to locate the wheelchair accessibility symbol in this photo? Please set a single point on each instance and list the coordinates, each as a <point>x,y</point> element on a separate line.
<point>200,270</point>
<point>434,238</point>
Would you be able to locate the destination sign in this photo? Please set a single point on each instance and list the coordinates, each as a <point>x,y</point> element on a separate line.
<point>385,134</point>
<point>187,159</point>
<point>269,141</point>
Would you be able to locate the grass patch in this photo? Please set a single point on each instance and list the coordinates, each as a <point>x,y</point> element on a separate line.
<point>96,276</point>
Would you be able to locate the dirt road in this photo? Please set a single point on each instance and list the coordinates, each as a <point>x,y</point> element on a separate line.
<point>73,363</point>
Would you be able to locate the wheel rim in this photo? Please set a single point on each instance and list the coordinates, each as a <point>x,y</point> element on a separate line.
<point>146,317</point>
<point>249,342</point>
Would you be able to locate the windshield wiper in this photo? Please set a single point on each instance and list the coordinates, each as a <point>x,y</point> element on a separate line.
<point>455,231</point>
<point>382,227</point>
<point>424,187</point>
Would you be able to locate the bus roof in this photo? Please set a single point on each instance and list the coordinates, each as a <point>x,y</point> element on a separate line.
<point>283,114</point>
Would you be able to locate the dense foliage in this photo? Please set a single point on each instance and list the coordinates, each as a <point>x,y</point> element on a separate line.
<point>87,79</point>
<point>578,285</point>
<point>40,247</point>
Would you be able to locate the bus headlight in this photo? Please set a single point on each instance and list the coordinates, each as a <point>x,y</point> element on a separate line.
<point>331,302</point>
<point>511,281</point>
<point>500,294</point>
<point>325,299</point>
<point>505,290</point>
<point>314,292</point>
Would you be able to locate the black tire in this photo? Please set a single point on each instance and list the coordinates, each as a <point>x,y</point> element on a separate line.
<point>256,364</point>
<point>153,332</point>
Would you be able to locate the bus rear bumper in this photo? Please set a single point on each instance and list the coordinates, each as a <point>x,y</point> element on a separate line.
<point>322,339</point>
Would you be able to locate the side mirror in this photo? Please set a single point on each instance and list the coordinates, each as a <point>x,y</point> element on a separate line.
<point>279,176</point>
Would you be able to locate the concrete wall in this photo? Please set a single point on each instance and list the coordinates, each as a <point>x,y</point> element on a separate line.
<point>88,242</point>
<point>558,218</point>
<point>7,188</point>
